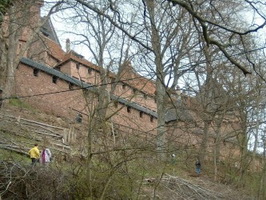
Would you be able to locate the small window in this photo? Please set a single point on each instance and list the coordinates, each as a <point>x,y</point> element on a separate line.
<point>71,86</point>
<point>140,114</point>
<point>145,96</point>
<point>134,91</point>
<point>89,70</point>
<point>128,109</point>
<point>124,86</point>
<point>19,48</point>
<point>151,118</point>
<point>115,104</point>
<point>36,72</point>
<point>77,66</point>
<point>55,78</point>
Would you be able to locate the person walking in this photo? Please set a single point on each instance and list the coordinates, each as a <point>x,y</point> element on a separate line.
<point>198,166</point>
<point>46,156</point>
<point>34,154</point>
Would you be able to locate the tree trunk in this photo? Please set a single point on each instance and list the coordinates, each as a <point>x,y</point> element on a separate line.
<point>216,155</point>
<point>160,87</point>
<point>9,55</point>
<point>204,141</point>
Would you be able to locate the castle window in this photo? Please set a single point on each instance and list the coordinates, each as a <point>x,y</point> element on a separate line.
<point>36,72</point>
<point>19,48</point>
<point>134,91</point>
<point>77,66</point>
<point>140,114</point>
<point>116,104</point>
<point>224,143</point>
<point>128,109</point>
<point>55,78</point>
<point>151,118</point>
<point>89,70</point>
<point>145,96</point>
<point>124,86</point>
<point>71,86</point>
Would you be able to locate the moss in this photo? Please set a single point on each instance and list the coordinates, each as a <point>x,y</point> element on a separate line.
<point>20,104</point>
<point>13,156</point>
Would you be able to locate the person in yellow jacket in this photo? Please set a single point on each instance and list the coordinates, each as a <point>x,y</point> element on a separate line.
<point>34,154</point>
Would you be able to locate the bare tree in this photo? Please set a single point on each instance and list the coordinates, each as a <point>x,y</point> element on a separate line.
<point>18,31</point>
<point>210,27</point>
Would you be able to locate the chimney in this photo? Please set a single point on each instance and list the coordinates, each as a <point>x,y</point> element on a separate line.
<point>67,45</point>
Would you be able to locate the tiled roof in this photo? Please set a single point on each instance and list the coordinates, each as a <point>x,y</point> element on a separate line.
<point>79,83</point>
<point>54,49</point>
<point>128,76</point>
<point>178,114</point>
<point>71,56</point>
<point>48,30</point>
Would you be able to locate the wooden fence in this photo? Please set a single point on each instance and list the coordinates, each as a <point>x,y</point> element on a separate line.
<point>19,135</point>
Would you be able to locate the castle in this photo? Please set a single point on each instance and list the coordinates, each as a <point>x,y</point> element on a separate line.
<point>67,85</point>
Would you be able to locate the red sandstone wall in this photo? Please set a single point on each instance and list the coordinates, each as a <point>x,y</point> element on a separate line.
<point>65,104</point>
<point>80,72</point>
<point>61,104</point>
<point>185,137</point>
<point>66,68</point>
<point>122,90</point>
<point>133,118</point>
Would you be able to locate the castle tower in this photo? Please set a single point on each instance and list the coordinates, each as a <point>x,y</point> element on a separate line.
<point>29,17</point>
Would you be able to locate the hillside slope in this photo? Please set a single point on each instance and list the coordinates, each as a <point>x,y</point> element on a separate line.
<point>18,134</point>
<point>196,187</point>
